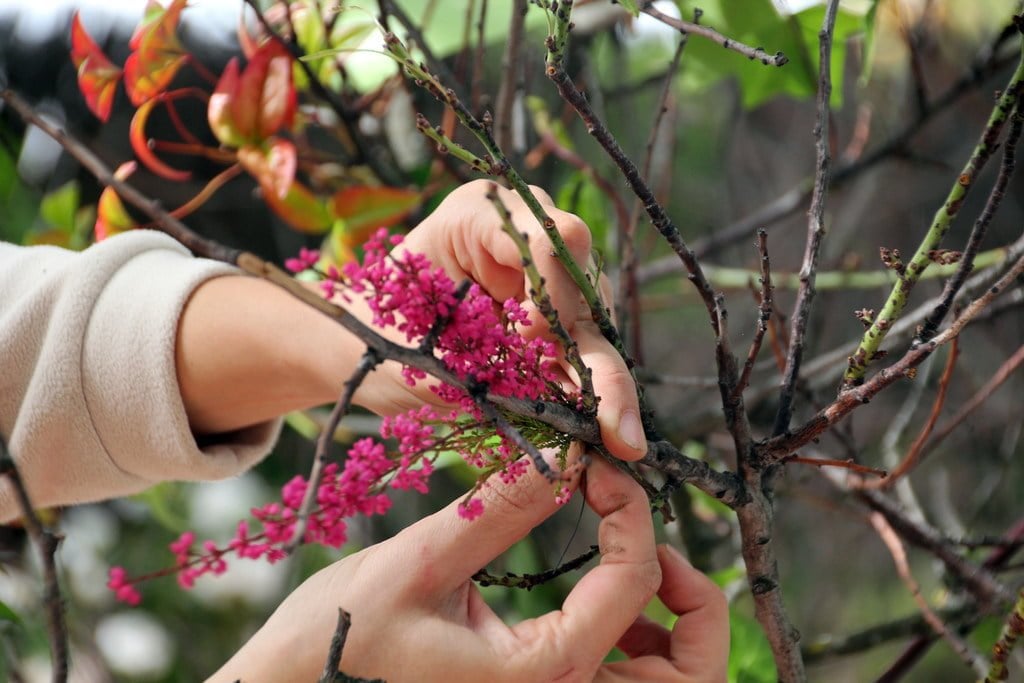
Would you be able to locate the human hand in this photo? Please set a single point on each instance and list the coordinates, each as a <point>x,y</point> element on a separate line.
<point>464,236</point>
<point>416,615</point>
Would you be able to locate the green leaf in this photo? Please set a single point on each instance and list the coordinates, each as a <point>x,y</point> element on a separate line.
<point>59,208</point>
<point>585,199</point>
<point>8,614</point>
<point>166,502</point>
<point>758,24</point>
<point>750,656</point>
<point>630,6</point>
<point>870,21</point>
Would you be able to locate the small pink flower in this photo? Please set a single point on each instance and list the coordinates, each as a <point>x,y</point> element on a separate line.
<point>471,509</point>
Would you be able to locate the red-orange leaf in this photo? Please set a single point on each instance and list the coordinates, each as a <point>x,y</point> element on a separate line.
<point>97,75</point>
<point>300,208</point>
<point>140,143</point>
<point>364,209</point>
<point>218,111</point>
<point>265,99</point>
<point>158,54</point>
<point>111,216</point>
<point>273,165</point>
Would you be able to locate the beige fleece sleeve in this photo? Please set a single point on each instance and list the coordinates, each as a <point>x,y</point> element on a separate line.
<point>89,400</point>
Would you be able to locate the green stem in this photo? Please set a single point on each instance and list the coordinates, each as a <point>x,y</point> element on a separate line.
<point>1012,630</point>
<point>540,297</point>
<point>908,277</point>
<point>499,165</point>
<point>723,277</point>
<point>446,145</point>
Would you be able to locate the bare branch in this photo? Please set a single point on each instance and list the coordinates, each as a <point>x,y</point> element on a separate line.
<point>557,45</point>
<point>511,77</point>
<point>916,448</point>
<point>764,312</point>
<point>899,556</point>
<point>367,364</point>
<point>940,225</point>
<point>995,198</point>
<point>751,53</point>
<point>46,543</point>
<point>815,224</point>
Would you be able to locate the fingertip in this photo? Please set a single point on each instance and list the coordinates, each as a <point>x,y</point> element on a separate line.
<point>542,196</point>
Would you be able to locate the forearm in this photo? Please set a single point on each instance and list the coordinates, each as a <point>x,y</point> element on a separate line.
<point>248,351</point>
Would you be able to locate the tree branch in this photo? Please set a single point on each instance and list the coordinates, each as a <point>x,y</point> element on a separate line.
<point>815,224</point>
<point>897,299</point>
<point>685,27</point>
<point>46,543</point>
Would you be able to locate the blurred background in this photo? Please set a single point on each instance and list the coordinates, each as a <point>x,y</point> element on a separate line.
<point>733,151</point>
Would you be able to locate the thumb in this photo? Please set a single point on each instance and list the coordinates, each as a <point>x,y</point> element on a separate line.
<point>456,548</point>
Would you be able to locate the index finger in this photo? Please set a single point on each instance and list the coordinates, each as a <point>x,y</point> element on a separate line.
<point>603,605</point>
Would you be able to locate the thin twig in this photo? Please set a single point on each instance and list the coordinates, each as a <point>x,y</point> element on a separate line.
<point>628,299</point>
<point>898,296</point>
<point>557,44</point>
<point>367,364</point>
<point>531,581</point>
<point>815,224</point>
<point>476,88</point>
<point>46,543</point>
<point>1001,375</point>
<point>764,311</point>
<point>841,464</point>
<point>827,647</point>
<point>751,53</point>
<point>995,198</point>
<point>852,398</point>
<point>337,646</point>
<point>916,448</point>
<point>899,557</point>
<point>540,297</point>
<point>511,77</point>
<point>978,580</point>
<point>509,431</point>
<point>985,65</point>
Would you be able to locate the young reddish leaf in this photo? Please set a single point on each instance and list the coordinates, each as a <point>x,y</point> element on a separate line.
<point>111,216</point>
<point>265,99</point>
<point>273,167</point>
<point>219,111</point>
<point>140,143</point>
<point>158,54</point>
<point>272,164</point>
<point>301,209</point>
<point>97,75</point>
<point>364,209</point>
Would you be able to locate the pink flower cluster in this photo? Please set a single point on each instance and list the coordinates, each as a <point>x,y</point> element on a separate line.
<point>123,587</point>
<point>479,342</point>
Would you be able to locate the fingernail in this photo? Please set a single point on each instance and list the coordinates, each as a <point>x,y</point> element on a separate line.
<point>630,430</point>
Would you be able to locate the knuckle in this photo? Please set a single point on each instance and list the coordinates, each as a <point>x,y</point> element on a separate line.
<point>649,577</point>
